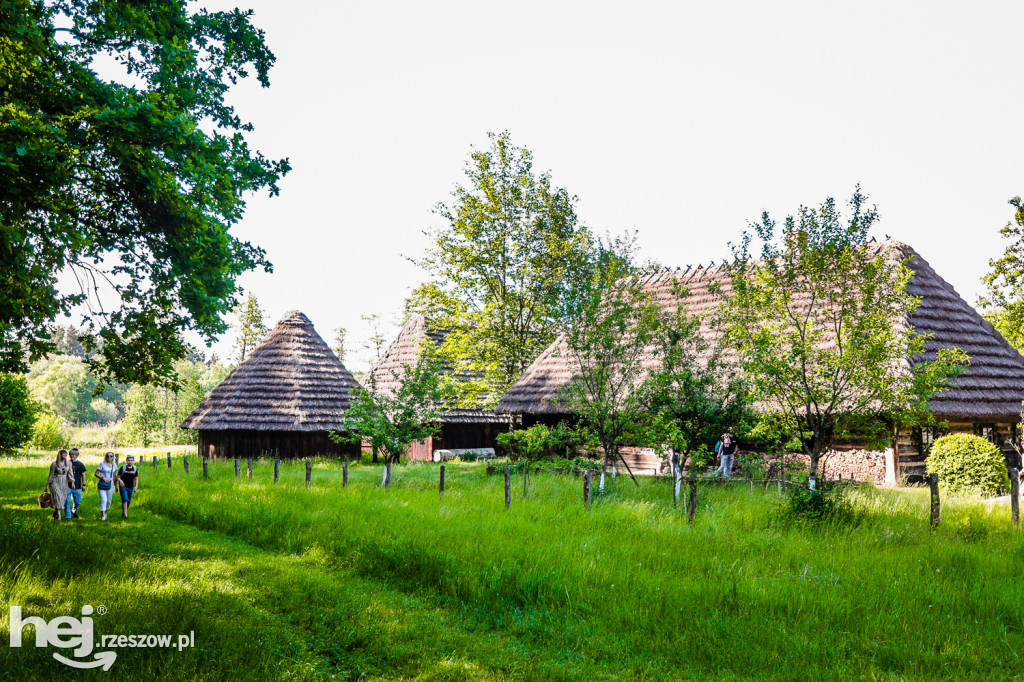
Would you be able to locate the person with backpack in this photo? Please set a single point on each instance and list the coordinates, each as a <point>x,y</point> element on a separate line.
<point>128,478</point>
<point>727,452</point>
<point>105,486</point>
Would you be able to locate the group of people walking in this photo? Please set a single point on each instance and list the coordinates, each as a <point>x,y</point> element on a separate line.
<point>67,480</point>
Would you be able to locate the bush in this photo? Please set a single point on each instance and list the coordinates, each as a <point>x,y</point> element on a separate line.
<point>825,503</point>
<point>968,464</point>
<point>17,412</point>
<point>50,433</point>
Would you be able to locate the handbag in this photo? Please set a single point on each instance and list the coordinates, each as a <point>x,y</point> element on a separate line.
<point>103,485</point>
<point>44,500</point>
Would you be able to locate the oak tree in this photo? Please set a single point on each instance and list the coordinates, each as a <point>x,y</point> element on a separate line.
<point>118,191</point>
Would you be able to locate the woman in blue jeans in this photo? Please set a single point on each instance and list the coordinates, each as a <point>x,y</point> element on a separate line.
<point>727,450</point>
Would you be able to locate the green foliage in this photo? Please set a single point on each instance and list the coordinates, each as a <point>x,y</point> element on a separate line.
<point>1004,283</point>
<point>153,413</point>
<point>133,181</point>
<point>697,390</point>
<point>610,341</point>
<point>815,323</point>
<point>17,412</point>
<point>968,464</point>
<point>340,347</point>
<point>251,325</point>
<point>527,444</point>
<point>502,266</point>
<point>826,503</point>
<point>143,420</point>
<point>391,420</point>
<point>50,432</point>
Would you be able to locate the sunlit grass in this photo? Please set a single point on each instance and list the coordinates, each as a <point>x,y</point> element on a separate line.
<point>281,581</point>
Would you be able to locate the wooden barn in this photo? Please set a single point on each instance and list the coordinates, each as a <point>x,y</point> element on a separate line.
<point>280,401</point>
<point>460,428</point>
<point>985,399</point>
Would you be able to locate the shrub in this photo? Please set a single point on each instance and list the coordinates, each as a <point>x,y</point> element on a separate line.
<point>968,464</point>
<point>50,432</point>
<point>826,503</point>
<point>17,412</point>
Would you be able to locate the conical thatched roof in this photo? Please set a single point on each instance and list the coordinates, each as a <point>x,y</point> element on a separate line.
<point>290,382</point>
<point>991,388</point>
<point>404,352</point>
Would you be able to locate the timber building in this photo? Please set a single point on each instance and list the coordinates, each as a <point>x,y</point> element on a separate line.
<point>281,401</point>
<point>985,399</point>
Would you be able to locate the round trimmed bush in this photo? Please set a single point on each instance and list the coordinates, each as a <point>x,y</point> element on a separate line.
<point>968,464</point>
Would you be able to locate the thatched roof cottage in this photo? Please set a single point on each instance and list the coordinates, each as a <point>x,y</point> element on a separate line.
<point>460,427</point>
<point>281,400</point>
<point>985,400</point>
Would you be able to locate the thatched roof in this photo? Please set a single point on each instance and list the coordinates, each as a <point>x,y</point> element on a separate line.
<point>290,382</point>
<point>991,388</point>
<point>404,352</point>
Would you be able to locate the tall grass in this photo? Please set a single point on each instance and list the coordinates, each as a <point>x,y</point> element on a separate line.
<point>546,590</point>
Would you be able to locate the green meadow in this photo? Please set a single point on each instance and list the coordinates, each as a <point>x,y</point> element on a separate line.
<point>278,581</point>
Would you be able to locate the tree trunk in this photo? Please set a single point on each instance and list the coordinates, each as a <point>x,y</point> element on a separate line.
<point>374,454</point>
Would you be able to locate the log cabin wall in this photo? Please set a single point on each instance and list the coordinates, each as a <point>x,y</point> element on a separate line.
<point>283,444</point>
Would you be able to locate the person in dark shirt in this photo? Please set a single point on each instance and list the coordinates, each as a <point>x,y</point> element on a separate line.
<point>74,498</point>
<point>128,478</point>
<point>727,451</point>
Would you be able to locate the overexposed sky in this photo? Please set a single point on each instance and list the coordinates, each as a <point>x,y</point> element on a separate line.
<point>683,120</point>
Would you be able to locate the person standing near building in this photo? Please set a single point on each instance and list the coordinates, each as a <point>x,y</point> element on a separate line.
<point>128,477</point>
<point>105,486</point>
<point>728,455</point>
<point>74,498</point>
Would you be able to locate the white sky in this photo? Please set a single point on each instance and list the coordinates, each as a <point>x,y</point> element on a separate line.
<point>683,120</point>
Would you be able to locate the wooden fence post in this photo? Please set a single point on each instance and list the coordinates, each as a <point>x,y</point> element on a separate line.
<point>205,472</point>
<point>344,475</point>
<point>249,462</point>
<point>441,484</point>
<point>168,460</point>
<point>277,469</point>
<point>309,473</point>
<point>508,488</point>
<point>933,483</point>
<point>185,460</point>
<point>154,462</point>
<point>691,501</point>
<point>1015,496</point>
<point>586,488</point>
<point>237,474</point>
<point>117,460</point>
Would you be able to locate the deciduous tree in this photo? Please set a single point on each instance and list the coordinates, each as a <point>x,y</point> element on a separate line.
<point>17,413</point>
<point>1004,301</point>
<point>127,184</point>
<point>816,321</point>
<point>509,248</point>
<point>392,420</point>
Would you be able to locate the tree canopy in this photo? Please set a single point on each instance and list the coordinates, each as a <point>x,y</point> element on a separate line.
<point>510,249</point>
<point>1004,302</point>
<point>815,321</point>
<point>251,325</point>
<point>117,193</point>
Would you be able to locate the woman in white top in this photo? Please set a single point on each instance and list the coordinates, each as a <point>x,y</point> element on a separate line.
<point>105,486</point>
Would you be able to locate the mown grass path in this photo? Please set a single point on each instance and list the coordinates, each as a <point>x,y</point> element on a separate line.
<point>281,582</point>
